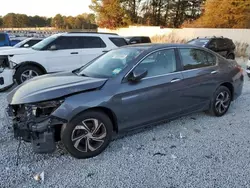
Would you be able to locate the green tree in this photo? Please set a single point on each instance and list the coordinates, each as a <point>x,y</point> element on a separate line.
<point>9,20</point>
<point>225,14</point>
<point>1,21</point>
<point>58,21</point>
<point>110,13</point>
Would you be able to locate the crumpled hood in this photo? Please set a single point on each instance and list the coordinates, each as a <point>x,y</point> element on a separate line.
<point>17,51</point>
<point>52,86</point>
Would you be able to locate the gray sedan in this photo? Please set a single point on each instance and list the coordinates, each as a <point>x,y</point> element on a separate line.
<point>123,89</point>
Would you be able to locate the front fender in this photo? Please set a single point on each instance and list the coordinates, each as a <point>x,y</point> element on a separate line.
<point>78,103</point>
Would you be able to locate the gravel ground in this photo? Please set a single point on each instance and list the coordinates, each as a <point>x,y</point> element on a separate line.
<point>193,151</point>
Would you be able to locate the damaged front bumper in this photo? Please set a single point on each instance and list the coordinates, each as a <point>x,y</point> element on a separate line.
<point>6,78</point>
<point>40,133</point>
<point>6,73</point>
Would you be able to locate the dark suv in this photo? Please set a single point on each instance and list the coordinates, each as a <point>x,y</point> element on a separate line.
<point>138,39</point>
<point>220,45</point>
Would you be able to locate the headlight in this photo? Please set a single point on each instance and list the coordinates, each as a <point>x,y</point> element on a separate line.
<point>4,63</point>
<point>45,108</point>
<point>12,64</point>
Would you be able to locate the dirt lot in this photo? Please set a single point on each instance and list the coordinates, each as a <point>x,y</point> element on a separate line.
<point>193,151</point>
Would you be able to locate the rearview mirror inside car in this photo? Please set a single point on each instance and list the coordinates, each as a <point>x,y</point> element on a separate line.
<point>137,75</point>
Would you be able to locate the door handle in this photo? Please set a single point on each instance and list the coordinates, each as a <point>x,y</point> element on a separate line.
<point>74,53</point>
<point>175,80</point>
<point>105,51</point>
<point>214,72</point>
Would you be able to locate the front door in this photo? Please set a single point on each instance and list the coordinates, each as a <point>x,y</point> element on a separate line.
<point>64,54</point>
<point>155,97</point>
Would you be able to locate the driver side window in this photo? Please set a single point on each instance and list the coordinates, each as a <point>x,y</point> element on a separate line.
<point>159,63</point>
<point>64,43</point>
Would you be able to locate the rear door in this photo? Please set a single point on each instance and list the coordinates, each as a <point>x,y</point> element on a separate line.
<point>199,71</point>
<point>155,97</point>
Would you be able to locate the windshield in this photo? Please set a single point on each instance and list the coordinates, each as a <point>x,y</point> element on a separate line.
<point>199,42</point>
<point>44,43</point>
<point>111,64</point>
<point>18,45</point>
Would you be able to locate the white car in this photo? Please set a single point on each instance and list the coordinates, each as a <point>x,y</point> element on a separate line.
<point>26,43</point>
<point>248,68</point>
<point>59,52</point>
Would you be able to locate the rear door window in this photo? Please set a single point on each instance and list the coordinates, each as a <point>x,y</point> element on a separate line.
<point>93,42</point>
<point>195,58</point>
<point>118,41</point>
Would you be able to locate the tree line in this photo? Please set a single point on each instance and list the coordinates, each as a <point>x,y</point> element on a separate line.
<point>83,21</point>
<point>166,13</point>
<point>113,14</point>
<point>172,13</point>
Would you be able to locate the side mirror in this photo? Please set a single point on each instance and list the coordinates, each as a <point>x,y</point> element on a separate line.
<point>53,47</point>
<point>26,46</point>
<point>137,75</point>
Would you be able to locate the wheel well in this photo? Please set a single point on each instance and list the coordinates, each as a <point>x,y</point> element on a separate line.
<point>32,64</point>
<point>230,87</point>
<point>110,114</point>
<point>104,110</point>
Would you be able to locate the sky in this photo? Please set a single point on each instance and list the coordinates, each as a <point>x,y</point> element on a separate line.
<point>48,8</point>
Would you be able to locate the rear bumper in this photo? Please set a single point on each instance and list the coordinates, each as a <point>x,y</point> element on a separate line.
<point>6,79</point>
<point>238,86</point>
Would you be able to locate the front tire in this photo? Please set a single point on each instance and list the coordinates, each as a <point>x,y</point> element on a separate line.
<point>87,135</point>
<point>220,102</point>
<point>27,72</point>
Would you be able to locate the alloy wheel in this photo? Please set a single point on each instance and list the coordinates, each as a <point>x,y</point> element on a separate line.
<point>222,102</point>
<point>28,74</point>
<point>89,135</point>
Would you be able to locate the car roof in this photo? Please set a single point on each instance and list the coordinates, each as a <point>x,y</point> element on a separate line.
<point>130,37</point>
<point>208,38</point>
<point>154,46</point>
<point>89,34</point>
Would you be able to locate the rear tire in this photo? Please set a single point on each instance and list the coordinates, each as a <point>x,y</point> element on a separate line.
<point>220,102</point>
<point>87,135</point>
<point>27,72</point>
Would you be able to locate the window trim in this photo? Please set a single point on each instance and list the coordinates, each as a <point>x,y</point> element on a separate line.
<point>181,60</point>
<point>178,64</point>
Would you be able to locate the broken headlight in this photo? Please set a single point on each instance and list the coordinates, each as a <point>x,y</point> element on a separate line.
<point>4,63</point>
<point>45,108</point>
